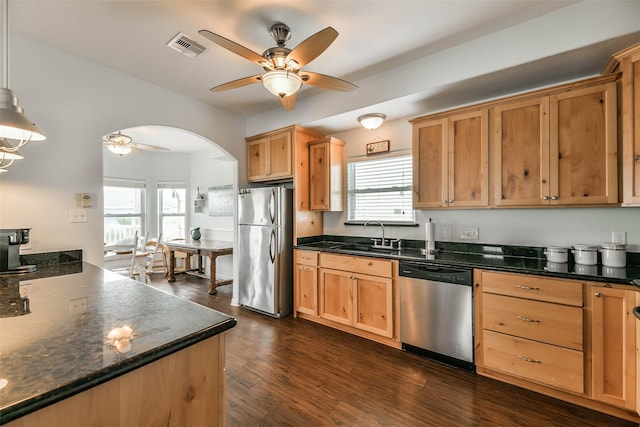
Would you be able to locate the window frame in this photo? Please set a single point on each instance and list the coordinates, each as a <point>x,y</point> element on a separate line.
<point>161,215</point>
<point>141,215</point>
<point>407,199</point>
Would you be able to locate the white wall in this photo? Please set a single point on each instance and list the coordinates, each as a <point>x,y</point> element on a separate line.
<point>75,102</point>
<point>534,227</point>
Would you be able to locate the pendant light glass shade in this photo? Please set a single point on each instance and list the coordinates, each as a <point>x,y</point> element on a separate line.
<point>7,155</point>
<point>281,83</point>
<point>371,121</point>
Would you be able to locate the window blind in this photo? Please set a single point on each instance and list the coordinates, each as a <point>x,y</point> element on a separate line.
<point>380,190</point>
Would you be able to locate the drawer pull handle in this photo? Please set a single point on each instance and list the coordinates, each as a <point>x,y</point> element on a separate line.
<point>527,359</point>
<point>527,288</point>
<point>526,319</point>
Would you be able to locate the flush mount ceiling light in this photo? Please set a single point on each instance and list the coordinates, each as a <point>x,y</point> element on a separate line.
<point>372,120</point>
<point>14,124</point>
<point>281,83</point>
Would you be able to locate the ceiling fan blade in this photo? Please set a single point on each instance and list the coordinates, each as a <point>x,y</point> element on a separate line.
<point>313,46</point>
<point>327,82</point>
<point>233,46</point>
<point>237,83</point>
<point>288,102</point>
<point>137,151</point>
<point>148,147</point>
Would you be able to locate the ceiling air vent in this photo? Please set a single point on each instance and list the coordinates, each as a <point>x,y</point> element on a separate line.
<point>185,45</point>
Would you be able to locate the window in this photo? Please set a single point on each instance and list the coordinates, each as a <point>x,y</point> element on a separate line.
<point>380,190</point>
<point>172,208</point>
<point>124,210</point>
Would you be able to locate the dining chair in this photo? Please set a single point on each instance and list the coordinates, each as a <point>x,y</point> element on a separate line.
<point>131,270</point>
<point>154,262</point>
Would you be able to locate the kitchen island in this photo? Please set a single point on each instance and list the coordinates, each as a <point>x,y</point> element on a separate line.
<point>80,345</point>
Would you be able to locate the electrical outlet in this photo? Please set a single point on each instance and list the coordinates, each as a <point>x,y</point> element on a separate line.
<point>446,232</point>
<point>468,233</point>
<point>619,237</point>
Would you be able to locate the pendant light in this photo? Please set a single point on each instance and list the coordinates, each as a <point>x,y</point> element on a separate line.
<point>7,155</point>
<point>14,125</point>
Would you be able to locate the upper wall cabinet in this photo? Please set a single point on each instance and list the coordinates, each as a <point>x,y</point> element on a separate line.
<point>450,160</point>
<point>270,157</point>
<point>628,62</point>
<point>326,171</point>
<point>557,149</point>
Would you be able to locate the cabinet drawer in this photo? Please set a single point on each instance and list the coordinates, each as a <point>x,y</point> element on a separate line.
<point>543,363</point>
<point>307,258</point>
<point>365,265</point>
<point>540,321</point>
<point>532,287</point>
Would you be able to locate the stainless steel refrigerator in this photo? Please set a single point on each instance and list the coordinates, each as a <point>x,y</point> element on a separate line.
<point>265,247</point>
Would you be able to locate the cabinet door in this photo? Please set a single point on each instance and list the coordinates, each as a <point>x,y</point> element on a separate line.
<point>319,185</point>
<point>335,296</point>
<point>613,346</point>
<point>630,118</point>
<point>306,289</point>
<point>373,304</point>
<point>583,146</point>
<point>280,156</point>
<point>468,163</point>
<point>521,153</point>
<point>257,159</point>
<point>430,172</point>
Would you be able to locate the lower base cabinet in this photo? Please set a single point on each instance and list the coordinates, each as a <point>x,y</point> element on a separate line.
<point>569,339</point>
<point>354,294</point>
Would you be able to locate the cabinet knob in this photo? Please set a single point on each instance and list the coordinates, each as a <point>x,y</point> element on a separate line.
<point>444,202</point>
<point>554,197</point>
<point>449,201</point>
<point>545,198</point>
<point>597,294</point>
<point>267,173</point>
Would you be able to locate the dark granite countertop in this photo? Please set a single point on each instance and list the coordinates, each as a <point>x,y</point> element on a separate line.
<point>60,344</point>
<point>518,259</point>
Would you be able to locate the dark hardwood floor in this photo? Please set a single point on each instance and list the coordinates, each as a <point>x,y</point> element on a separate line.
<point>292,372</point>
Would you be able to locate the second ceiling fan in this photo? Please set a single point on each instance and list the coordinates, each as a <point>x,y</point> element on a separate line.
<point>283,74</point>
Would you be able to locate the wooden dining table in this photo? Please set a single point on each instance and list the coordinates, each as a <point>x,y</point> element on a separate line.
<point>211,248</point>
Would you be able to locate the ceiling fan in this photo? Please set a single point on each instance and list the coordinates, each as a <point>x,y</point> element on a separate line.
<point>283,75</point>
<point>121,144</point>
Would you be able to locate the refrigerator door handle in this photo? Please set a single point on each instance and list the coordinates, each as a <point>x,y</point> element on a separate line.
<point>272,206</point>
<point>272,246</point>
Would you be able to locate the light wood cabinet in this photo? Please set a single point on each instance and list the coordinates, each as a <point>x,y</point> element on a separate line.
<point>283,155</point>
<point>569,339</point>
<point>613,334</point>
<point>270,157</point>
<point>305,282</point>
<point>450,160</point>
<point>559,148</point>
<point>357,291</point>
<point>532,328</point>
<point>326,171</point>
<point>627,61</point>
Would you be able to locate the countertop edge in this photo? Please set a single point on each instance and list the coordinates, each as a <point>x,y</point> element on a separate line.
<point>28,406</point>
<point>475,265</point>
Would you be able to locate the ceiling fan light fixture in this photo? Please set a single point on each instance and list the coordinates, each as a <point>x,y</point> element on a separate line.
<point>281,83</point>
<point>119,149</point>
<point>371,121</point>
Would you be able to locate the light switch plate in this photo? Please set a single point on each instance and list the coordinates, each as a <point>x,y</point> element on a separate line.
<point>77,215</point>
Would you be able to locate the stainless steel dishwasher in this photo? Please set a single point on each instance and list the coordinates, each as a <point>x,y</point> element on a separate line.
<point>436,312</point>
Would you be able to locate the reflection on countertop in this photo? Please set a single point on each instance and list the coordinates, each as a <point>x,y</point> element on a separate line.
<point>63,345</point>
<point>512,258</point>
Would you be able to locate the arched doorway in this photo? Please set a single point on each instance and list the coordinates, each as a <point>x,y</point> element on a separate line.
<point>162,187</point>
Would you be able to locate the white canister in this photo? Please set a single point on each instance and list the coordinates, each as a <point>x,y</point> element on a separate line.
<point>585,254</point>
<point>557,254</point>
<point>614,255</point>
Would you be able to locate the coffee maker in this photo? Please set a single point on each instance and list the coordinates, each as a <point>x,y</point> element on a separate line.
<point>10,241</point>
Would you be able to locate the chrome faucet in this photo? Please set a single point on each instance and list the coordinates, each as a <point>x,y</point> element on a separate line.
<point>381,226</point>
